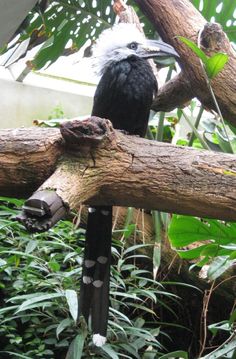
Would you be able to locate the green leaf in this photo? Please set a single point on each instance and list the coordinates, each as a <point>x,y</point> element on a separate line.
<point>179,354</point>
<point>184,230</point>
<point>229,349</point>
<point>2,262</point>
<point>54,266</point>
<point>224,144</point>
<point>26,305</point>
<point>17,355</point>
<point>215,64</point>
<point>120,315</point>
<point>156,259</point>
<point>63,325</point>
<point>31,245</point>
<point>233,317</point>
<point>200,54</point>
<point>218,267</point>
<point>224,325</point>
<point>72,300</point>
<point>76,347</point>
<point>107,348</point>
<point>130,350</point>
<point>135,247</point>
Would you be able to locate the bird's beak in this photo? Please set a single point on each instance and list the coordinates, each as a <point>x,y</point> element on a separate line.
<point>155,48</point>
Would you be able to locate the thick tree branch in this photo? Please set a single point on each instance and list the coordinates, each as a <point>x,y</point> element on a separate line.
<point>108,167</point>
<point>168,16</point>
<point>175,93</point>
<point>27,158</point>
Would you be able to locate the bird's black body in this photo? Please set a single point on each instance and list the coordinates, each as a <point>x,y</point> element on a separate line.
<point>124,96</point>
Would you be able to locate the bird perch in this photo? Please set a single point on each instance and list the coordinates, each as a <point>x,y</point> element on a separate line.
<point>168,17</point>
<point>103,166</point>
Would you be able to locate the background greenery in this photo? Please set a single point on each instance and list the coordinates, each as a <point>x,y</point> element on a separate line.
<point>39,274</point>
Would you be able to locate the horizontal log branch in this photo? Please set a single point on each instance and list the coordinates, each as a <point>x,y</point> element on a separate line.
<point>27,158</point>
<point>115,169</point>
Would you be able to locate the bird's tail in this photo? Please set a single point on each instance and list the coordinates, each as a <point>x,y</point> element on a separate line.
<point>94,298</point>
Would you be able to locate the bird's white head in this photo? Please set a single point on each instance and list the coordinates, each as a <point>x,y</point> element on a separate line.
<point>122,41</point>
<point>111,45</point>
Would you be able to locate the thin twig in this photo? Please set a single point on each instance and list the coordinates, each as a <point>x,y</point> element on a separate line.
<point>206,301</point>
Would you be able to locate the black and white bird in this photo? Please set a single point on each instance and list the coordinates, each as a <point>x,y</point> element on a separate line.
<point>124,96</point>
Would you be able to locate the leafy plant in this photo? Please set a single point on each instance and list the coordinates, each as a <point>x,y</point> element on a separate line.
<point>216,242</point>
<point>39,284</point>
<point>65,27</point>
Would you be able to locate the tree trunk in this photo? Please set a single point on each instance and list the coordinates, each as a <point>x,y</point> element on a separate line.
<point>173,18</point>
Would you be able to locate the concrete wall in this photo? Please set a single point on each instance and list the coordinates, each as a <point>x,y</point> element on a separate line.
<point>21,103</point>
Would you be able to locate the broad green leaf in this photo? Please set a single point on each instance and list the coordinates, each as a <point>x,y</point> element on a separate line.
<point>39,298</point>
<point>131,350</point>
<point>129,230</point>
<point>22,254</point>
<point>141,333</point>
<point>224,144</point>
<point>220,353</point>
<point>2,262</point>
<point>184,230</point>
<point>191,253</point>
<point>54,266</point>
<point>43,304</point>
<point>31,245</point>
<point>139,322</point>
<point>15,201</point>
<point>218,267</point>
<point>143,308</point>
<point>135,247</point>
<point>25,296</point>
<point>112,323</point>
<point>224,325</point>
<point>200,54</point>
<point>63,325</point>
<point>72,300</point>
<point>215,64</point>
<point>121,315</point>
<point>107,348</point>
<point>76,348</point>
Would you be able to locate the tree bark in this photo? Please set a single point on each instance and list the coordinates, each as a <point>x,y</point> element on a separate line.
<point>27,158</point>
<point>173,18</point>
<point>116,169</point>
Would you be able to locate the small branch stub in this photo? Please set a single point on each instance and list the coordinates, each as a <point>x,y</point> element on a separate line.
<point>87,133</point>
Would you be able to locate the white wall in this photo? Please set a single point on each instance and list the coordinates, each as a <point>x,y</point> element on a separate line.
<point>21,103</point>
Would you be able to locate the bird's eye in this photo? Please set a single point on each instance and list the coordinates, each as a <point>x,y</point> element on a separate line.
<point>133,46</point>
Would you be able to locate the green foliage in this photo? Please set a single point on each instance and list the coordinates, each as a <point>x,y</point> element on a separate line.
<point>39,285</point>
<point>75,21</point>
<point>217,242</point>
<point>214,64</point>
<point>67,25</point>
